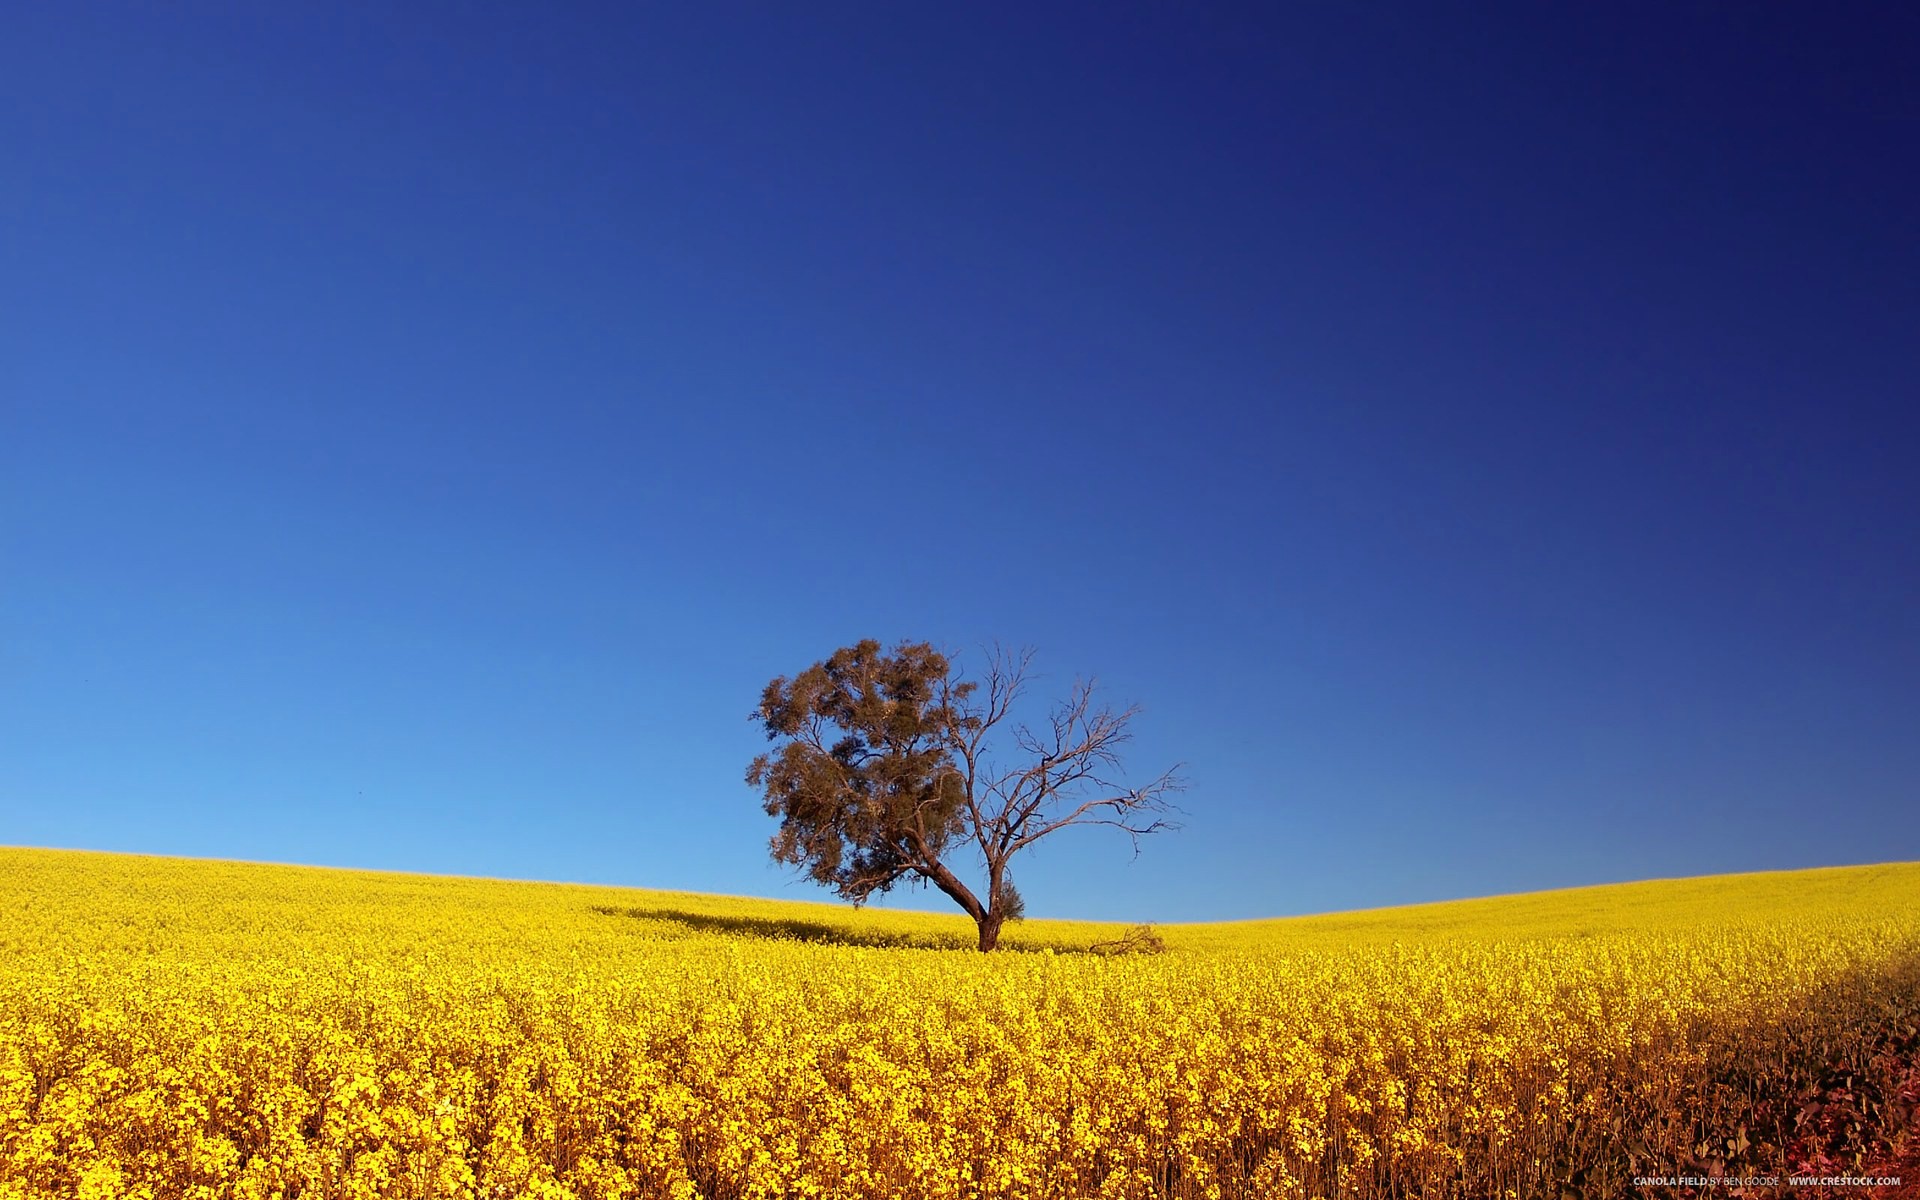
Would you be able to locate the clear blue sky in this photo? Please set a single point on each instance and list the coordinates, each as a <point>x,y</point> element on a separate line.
<point>1484,441</point>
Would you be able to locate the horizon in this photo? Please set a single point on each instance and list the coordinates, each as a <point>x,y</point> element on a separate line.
<point>1481,442</point>
<point>949,911</point>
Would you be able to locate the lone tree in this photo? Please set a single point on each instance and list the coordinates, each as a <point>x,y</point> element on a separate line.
<point>884,774</point>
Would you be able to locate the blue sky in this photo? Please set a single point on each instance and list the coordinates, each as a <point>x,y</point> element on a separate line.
<point>1482,441</point>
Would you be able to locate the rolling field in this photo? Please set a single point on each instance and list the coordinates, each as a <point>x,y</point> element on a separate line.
<point>174,1028</point>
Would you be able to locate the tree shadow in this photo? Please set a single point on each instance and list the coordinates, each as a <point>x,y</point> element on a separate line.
<point>817,932</point>
<point>788,929</point>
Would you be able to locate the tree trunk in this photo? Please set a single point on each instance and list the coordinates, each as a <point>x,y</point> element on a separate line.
<point>989,923</point>
<point>958,892</point>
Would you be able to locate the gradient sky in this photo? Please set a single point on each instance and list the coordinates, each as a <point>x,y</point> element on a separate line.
<point>1483,439</point>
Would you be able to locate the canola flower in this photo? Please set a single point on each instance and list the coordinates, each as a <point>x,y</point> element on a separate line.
<point>197,1030</point>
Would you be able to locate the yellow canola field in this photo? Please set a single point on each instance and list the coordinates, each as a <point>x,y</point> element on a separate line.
<point>174,1028</point>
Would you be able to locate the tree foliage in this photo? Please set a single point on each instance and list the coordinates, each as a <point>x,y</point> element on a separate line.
<point>884,773</point>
